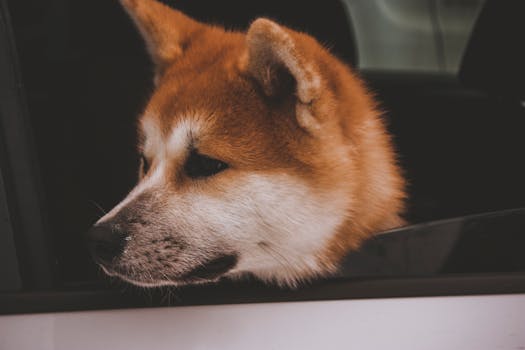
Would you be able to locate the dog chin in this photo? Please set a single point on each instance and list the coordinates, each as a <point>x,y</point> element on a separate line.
<point>158,283</point>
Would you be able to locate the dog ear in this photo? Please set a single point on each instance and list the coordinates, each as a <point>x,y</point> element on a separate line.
<point>166,31</point>
<point>279,59</point>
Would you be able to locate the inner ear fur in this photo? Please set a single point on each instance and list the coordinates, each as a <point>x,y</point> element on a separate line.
<point>280,62</point>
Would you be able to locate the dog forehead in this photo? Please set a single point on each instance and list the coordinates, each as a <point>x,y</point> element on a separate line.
<point>222,113</point>
<point>216,105</point>
<point>172,139</point>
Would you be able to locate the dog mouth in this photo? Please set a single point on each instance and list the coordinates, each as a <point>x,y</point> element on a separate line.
<point>209,271</point>
<point>212,269</point>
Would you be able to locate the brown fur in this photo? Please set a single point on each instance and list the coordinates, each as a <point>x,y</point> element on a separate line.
<point>321,125</point>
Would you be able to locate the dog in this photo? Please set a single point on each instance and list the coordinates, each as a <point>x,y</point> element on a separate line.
<point>261,154</point>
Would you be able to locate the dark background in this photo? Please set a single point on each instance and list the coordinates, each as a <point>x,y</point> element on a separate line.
<point>87,77</point>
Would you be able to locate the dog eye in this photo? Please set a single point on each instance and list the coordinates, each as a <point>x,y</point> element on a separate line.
<point>198,165</point>
<point>145,164</point>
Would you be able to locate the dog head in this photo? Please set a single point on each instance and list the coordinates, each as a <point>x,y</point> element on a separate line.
<point>258,154</point>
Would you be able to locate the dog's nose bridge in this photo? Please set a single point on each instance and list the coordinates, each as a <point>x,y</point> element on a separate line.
<point>137,212</point>
<point>138,195</point>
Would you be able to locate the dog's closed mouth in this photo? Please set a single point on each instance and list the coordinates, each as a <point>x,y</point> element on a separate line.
<point>213,268</point>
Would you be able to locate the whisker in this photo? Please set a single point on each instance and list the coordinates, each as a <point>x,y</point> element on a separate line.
<point>98,206</point>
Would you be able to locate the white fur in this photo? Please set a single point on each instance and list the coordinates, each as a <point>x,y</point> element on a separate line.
<point>180,138</point>
<point>294,223</point>
<point>276,224</point>
<point>156,178</point>
<point>156,147</point>
<point>152,146</point>
<point>153,140</point>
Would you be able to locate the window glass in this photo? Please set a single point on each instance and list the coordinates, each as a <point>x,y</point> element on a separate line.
<point>412,35</point>
<point>87,77</point>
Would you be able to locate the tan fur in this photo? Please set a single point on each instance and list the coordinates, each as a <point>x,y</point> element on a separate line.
<point>273,101</point>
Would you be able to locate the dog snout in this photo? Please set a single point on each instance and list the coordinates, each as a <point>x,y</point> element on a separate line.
<point>106,243</point>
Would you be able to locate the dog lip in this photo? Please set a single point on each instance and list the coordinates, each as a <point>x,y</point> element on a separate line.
<point>212,268</point>
<point>107,270</point>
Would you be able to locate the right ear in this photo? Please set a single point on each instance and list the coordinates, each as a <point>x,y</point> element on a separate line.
<point>277,59</point>
<point>166,31</point>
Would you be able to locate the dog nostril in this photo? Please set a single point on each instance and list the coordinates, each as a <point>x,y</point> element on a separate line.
<point>105,243</point>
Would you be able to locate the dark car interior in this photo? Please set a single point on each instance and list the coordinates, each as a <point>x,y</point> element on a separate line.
<point>86,77</point>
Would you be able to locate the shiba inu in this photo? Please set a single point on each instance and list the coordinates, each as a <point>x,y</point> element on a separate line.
<point>261,152</point>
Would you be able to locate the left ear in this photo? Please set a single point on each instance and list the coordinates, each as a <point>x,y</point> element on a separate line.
<point>278,58</point>
<point>166,31</point>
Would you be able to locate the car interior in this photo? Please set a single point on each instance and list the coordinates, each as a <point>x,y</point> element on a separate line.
<point>86,77</point>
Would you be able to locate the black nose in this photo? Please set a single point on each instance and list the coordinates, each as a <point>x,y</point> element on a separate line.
<point>105,243</point>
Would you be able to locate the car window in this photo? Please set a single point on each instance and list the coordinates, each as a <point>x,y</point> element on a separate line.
<point>86,76</point>
<point>412,35</point>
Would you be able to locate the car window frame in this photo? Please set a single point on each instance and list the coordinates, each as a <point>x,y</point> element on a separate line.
<point>20,171</point>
